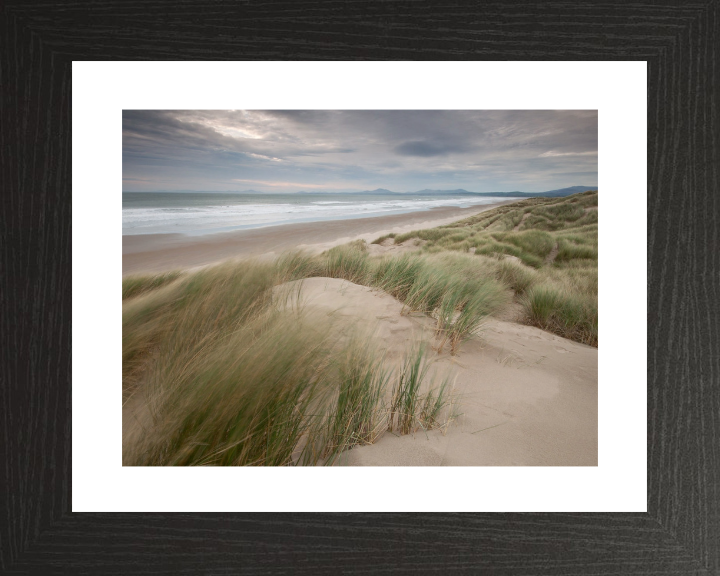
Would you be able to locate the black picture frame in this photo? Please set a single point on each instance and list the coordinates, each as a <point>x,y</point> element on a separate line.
<point>680,533</point>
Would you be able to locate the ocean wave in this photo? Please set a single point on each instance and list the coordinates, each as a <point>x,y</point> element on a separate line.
<point>207,219</point>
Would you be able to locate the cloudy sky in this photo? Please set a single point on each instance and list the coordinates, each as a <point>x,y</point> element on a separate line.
<point>340,151</point>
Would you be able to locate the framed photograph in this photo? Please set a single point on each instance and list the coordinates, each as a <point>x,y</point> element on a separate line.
<point>426,325</point>
<point>88,490</point>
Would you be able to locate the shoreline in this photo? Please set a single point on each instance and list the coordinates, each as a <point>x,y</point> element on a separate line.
<point>149,253</point>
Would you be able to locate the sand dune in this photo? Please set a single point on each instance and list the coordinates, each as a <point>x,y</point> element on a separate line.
<point>527,397</point>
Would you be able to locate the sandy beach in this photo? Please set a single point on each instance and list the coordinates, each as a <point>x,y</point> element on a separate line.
<point>161,252</point>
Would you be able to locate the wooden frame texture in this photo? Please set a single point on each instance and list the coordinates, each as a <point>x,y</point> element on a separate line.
<point>680,533</point>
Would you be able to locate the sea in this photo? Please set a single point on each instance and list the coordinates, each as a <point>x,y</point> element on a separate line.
<point>200,213</point>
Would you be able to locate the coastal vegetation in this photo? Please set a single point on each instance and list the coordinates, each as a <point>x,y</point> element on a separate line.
<point>229,374</point>
<point>544,249</point>
<point>134,285</point>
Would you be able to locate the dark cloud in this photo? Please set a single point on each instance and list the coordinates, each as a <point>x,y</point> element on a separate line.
<point>425,149</point>
<point>352,150</point>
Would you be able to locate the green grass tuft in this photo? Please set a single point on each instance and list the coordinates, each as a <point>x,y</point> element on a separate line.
<point>136,285</point>
<point>570,314</point>
<point>381,239</point>
<point>515,275</point>
<point>406,403</point>
<point>349,261</point>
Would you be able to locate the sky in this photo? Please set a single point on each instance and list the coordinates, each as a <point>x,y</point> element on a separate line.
<point>343,151</point>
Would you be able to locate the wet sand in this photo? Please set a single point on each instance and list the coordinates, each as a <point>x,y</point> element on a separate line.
<point>161,252</point>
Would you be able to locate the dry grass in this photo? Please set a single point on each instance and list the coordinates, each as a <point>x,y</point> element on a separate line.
<point>136,285</point>
<point>232,378</point>
<point>517,243</point>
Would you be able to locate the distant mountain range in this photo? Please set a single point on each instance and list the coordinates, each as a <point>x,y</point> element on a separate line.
<point>460,192</point>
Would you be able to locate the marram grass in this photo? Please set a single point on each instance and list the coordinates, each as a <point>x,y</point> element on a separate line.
<point>544,249</point>
<point>232,377</point>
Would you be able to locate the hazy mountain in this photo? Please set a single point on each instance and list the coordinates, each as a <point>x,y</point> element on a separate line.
<point>566,191</point>
<point>462,192</point>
